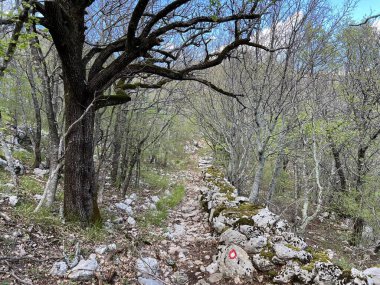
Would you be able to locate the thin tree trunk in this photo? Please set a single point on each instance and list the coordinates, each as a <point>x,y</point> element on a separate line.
<point>42,72</point>
<point>338,164</point>
<point>278,166</point>
<point>128,177</point>
<point>307,219</point>
<point>116,145</point>
<point>254,196</point>
<point>37,114</point>
<point>8,156</point>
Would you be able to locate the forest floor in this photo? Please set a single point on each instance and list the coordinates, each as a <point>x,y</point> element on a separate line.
<point>175,232</point>
<point>179,236</point>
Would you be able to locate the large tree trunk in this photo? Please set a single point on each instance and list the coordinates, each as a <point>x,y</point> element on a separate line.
<point>80,200</point>
<point>80,195</point>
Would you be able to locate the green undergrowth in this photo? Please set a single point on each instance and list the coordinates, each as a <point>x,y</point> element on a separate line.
<point>4,179</point>
<point>158,216</point>
<point>154,180</point>
<point>45,217</point>
<point>31,185</point>
<point>48,218</point>
<point>24,156</point>
<point>343,263</point>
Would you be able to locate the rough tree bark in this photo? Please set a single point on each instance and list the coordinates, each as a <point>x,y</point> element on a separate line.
<point>37,114</point>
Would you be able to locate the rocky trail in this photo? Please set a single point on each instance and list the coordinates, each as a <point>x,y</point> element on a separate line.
<point>213,236</point>
<point>185,256</point>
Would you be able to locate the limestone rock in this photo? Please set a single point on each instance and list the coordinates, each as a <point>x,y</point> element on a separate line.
<point>128,201</point>
<point>250,231</point>
<point>147,266</point>
<point>58,269</point>
<point>102,249</point>
<point>212,268</point>
<point>155,199</point>
<point>215,278</point>
<point>235,262</point>
<point>265,219</point>
<point>294,240</point>
<point>85,269</point>
<point>357,277</point>
<point>133,196</point>
<point>13,200</point>
<point>373,275</point>
<point>255,244</point>
<point>261,263</point>
<point>326,273</point>
<point>40,172</point>
<point>124,207</point>
<point>231,236</point>
<point>285,252</point>
<point>131,221</point>
<point>293,271</point>
<point>218,224</point>
<point>280,227</point>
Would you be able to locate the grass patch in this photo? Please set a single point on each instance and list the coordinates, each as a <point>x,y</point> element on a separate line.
<point>173,199</point>
<point>46,218</point>
<point>95,233</point>
<point>4,179</point>
<point>43,217</point>
<point>155,180</point>
<point>30,185</point>
<point>343,263</point>
<point>24,156</point>
<point>158,217</point>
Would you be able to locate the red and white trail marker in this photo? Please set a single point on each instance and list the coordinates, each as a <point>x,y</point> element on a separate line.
<point>232,254</point>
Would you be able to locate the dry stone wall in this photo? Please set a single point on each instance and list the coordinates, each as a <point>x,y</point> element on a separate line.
<point>256,244</point>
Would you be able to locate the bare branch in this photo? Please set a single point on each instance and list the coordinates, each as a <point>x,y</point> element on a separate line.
<point>366,21</point>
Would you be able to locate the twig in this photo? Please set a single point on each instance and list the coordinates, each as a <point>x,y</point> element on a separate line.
<point>11,273</point>
<point>30,258</point>
<point>5,217</point>
<point>75,260</point>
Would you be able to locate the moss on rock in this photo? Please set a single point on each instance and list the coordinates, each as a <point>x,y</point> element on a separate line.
<point>317,256</point>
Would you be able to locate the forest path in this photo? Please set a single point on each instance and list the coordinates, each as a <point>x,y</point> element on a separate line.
<point>186,254</point>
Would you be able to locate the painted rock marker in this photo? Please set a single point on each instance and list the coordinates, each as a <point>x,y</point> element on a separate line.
<point>232,254</point>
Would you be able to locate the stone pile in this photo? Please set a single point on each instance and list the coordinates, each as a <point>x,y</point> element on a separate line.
<point>256,244</point>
